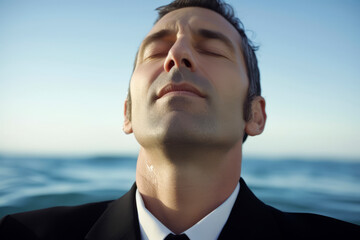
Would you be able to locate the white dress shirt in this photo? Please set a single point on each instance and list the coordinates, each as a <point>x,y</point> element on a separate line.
<point>207,228</point>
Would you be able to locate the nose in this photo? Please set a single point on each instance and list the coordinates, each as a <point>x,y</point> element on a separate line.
<point>180,55</point>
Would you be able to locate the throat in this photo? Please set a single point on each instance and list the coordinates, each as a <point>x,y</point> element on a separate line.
<point>181,192</point>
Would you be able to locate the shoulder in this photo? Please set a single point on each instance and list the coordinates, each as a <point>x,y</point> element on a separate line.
<point>309,225</point>
<point>56,221</point>
<point>263,220</point>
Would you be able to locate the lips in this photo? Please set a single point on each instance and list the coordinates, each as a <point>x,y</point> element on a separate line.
<point>180,89</point>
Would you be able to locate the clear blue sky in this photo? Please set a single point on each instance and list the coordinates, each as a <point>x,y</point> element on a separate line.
<point>65,67</point>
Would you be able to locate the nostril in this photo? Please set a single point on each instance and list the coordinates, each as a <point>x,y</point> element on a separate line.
<point>171,64</point>
<point>187,63</point>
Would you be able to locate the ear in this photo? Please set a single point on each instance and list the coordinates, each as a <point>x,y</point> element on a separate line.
<point>127,127</point>
<point>256,124</point>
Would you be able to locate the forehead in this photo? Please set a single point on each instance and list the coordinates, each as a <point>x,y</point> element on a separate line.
<point>194,18</point>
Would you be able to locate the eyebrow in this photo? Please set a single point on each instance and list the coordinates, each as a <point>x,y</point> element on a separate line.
<point>204,33</point>
<point>210,34</point>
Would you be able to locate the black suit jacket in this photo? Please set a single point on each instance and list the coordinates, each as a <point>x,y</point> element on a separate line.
<point>249,219</point>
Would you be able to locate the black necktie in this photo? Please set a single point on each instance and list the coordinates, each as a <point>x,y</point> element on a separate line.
<point>176,237</point>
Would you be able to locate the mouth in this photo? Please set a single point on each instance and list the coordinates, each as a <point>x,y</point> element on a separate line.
<point>180,89</point>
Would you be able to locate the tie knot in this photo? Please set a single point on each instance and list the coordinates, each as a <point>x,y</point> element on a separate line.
<point>176,237</point>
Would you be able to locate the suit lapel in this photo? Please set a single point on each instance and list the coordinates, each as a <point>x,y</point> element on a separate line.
<point>119,220</point>
<point>250,218</point>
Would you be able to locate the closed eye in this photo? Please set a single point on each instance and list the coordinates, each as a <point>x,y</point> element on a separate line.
<point>156,55</point>
<point>156,50</point>
<point>210,53</point>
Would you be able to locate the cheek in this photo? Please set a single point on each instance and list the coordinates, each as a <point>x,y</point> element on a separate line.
<point>140,88</point>
<point>148,72</point>
<point>231,85</point>
<point>142,78</point>
<point>229,81</point>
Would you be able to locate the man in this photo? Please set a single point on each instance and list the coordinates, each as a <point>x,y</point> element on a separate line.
<point>194,96</point>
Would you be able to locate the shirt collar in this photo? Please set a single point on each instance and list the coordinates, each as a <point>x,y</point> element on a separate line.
<point>150,226</point>
<point>207,228</point>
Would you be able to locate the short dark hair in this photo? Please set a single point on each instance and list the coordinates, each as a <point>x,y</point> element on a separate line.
<point>247,46</point>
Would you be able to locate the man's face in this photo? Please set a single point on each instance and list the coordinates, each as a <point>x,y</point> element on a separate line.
<point>190,82</point>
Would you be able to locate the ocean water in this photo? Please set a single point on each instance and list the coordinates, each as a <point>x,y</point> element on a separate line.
<point>330,188</point>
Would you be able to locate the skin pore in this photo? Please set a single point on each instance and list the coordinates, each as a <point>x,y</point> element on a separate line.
<point>187,92</point>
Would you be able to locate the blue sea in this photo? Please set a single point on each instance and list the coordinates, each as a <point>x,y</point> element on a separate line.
<point>327,187</point>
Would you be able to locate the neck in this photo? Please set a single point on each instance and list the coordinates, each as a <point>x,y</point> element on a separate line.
<point>179,192</point>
